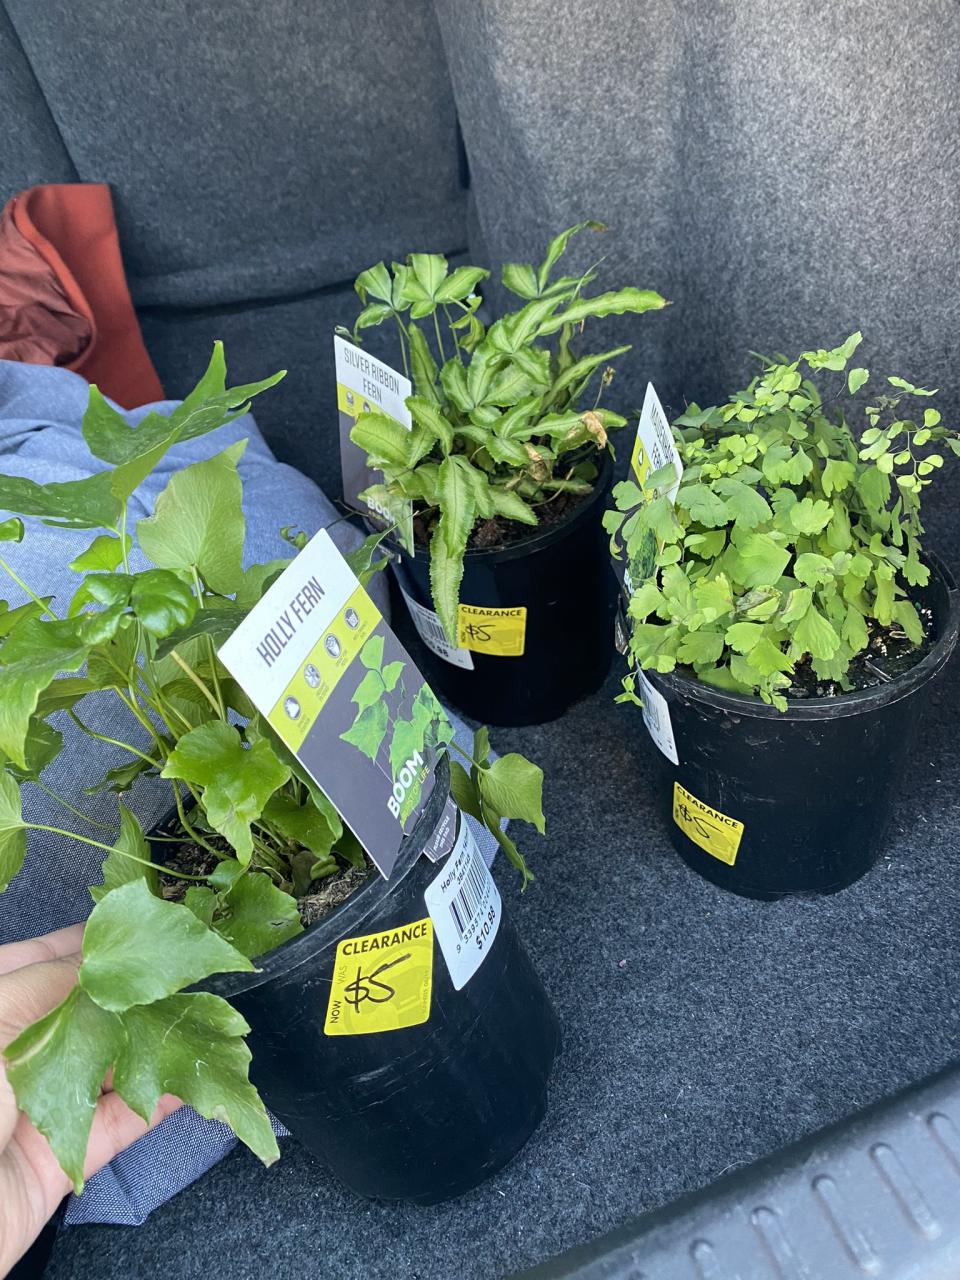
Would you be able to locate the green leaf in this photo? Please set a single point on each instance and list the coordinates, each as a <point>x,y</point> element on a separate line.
<point>857,378</point>
<point>813,634</point>
<point>57,1067</point>
<point>520,278</point>
<point>449,542</point>
<point>71,504</point>
<point>837,476</point>
<point>13,836</point>
<point>198,522</point>
<point>376,282</point>
<point>797,603</point>
<point>429,416</point>
<point>760,560</point>
<point>255,916</point>
<point>422,364</point>
<point>583,368</point>
<point>218,624</point>
<point>835,359</point>
<point>303,824</point>
<point>371,316</point>
<point>118,868</point>
<point>512,787</point>
<point>557,247</point>
<point>604,304</point>
<point>464,791</point>
<point>812,569</point>
<point>237,781</point>
<point>700,647</point>
<point>810,515</point>
<point>747,507</point>
<point>191,1045</point>
<point>703,504</point>
<point>33,655</point>
<point>104,552</point>
<point>905,613</point>
<point>909,388</point>
<point>768,658</point>
<point>11,530</point>
<point>384,441</point>
<point>138,948</point>
<point>161,601</point>
<point>429,271</point>
<point>123,776</point>
<point>743,636</point>
<point>511,506</point>
<point>368,730</point>
<point>460,283</point>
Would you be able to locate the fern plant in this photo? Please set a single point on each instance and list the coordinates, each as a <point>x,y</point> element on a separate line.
<point>499,423</point>
<point>790,541</point>
<point>146,639</point>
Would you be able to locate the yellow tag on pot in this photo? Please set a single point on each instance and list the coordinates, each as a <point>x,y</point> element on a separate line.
<point>712,830</point>
<point>501,632</point>
<point>382,981</point>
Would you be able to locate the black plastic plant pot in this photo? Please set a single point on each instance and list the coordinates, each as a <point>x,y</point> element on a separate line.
<point>421,1111</point>
<point>768,803</point>
<point>539,613</point>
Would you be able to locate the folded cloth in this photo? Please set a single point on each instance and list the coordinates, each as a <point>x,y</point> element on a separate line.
<point>40,414</point>
<point>63,291</point>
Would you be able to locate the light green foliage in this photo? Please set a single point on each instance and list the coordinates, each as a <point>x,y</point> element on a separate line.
<point>147,641</point>
<point>383,716</point>
<point>790,536</point>
<point>499,421</point>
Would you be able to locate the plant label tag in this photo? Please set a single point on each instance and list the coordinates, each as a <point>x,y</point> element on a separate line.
<point>656,716</point>
<point>320,664</point>
<point>441,842</point>
<point>464,905</point>
<point>432,634</point>
<point>497,631</point>
<point>367,385</point>
<point>654,446</point>
<point>715,832</point>
<point>381,981</point>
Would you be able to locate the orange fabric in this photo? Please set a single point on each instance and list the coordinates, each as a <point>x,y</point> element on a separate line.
<point>82,291</point>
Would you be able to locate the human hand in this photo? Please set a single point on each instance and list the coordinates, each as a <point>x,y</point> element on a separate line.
<point>34,977</point>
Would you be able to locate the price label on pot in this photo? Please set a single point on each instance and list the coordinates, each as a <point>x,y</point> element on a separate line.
<point>367,385</point>
<point>381,981</point>
<point>318,661</point>
<point>656,716</point>
<point>432,634</point>
<point>654,446</point>
<point>502,632</point>
<point>712,830</point>
<point>464,904</point>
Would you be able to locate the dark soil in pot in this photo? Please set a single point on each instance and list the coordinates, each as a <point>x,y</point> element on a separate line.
<point>426,1108</point>
<point>768,803</point>
<point>542,605</point>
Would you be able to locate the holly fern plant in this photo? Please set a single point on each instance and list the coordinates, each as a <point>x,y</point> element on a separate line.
<point>790,542</point>
<point>142,630</point>
<point>500,427</point>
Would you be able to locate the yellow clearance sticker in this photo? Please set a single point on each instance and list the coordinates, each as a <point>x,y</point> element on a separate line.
<point>382,981</point>
<point>712,830</point>
<point>502,632</point>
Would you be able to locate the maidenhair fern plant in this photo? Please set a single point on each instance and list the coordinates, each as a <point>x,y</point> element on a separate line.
<point>790,541</point>
<point>502,422</point>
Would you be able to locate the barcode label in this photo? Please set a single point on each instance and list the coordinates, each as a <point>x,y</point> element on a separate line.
<point>464,905</point>
<point>656,716</point>
<point>431,633</point>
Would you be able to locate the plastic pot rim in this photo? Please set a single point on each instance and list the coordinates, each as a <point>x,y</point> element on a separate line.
<point>854,703</point>
<point>349,915</point>
<point>538,537</point>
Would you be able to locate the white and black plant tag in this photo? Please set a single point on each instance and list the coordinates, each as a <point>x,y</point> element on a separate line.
<point>464,905</point>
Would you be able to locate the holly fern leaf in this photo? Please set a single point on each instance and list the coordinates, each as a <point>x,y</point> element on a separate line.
<point>127,1015</point>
